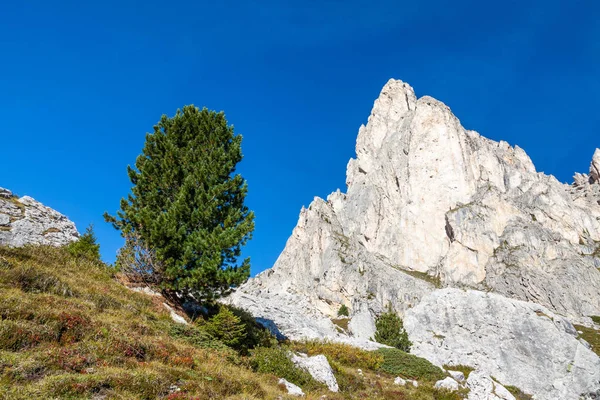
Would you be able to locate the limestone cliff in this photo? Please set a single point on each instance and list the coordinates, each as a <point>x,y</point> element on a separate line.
<point>27,221</point>
<point>428,205</point>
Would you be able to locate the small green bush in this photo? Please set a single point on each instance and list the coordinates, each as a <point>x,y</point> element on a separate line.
<point>276,361</point>
<point>256,334</point>
<point>398,362</point>
<point>237,329</point>
<point>390,331</point>
<point>343,311</point>
<point>226,327</point>
<point>86,246</point>
<point>596,319</point>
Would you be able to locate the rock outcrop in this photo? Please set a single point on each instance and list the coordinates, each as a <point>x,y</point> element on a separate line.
<point>26,221</point>
<point>518,342</point>
<point>429,205</point>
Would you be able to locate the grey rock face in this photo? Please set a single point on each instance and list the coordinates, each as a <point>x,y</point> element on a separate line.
<point>430,204</point>
<point>26,221</point>
<point>519,343</point>
<point>595,167</point>
<point>483,387</point>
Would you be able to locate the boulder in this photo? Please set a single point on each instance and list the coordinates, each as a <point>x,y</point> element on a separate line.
<point>448,384</point>
<point>520,343</point>
<point>318,367</point>
<point>292,389</point>
<point>399,381</point>
<point>457,375</point>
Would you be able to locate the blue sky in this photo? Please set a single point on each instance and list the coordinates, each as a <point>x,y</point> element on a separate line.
<point>82,82</point>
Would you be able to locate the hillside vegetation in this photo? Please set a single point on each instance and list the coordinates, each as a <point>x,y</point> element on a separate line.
<point>69,329</point>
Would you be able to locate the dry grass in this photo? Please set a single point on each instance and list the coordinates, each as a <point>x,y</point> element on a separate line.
<point>69,330</point>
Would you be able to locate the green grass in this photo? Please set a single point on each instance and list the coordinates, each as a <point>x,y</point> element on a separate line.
<point>590,335</point>
<point>397,362</point>
<point>596,319</point>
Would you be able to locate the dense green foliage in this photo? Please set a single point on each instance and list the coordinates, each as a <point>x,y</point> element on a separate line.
<point>390,331</point>
<point>187,204</point>
<point>226,327</point>
<point>343,311</point>
<point>398,362</point>
<point>86,246</point>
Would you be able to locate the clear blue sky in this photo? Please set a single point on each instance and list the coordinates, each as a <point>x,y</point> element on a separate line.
<point>81,82</point>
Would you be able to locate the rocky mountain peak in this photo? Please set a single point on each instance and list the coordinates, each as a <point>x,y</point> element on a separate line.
<point>432,206</point>
<point>27,221</point>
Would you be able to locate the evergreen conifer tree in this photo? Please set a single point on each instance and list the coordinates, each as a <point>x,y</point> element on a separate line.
<point>187,204</point>
<point>390,331</point>
<point>86,246</point>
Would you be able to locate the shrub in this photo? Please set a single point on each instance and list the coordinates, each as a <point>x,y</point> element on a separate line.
<point>86,246</point>
<point>256,334</point>
<point>398,362</point>
<point>227,327</point>
<point>343,311</point>
<point>596,319</point>
<point>276,361</point>
<point>390,331</point>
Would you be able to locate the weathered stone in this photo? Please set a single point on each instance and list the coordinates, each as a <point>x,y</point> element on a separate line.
<point>399,381</point>
<point>292,389</point>
<point>520,343</point>
<point>26,221</point>
<point>482,387</point>
<point>318,367</point>
<point>595,168</point>
<point>5,193</point>
<point>457,375</point>
<point>448,384</point>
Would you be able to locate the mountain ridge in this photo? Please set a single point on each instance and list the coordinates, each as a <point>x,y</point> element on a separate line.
<point>431,205</point>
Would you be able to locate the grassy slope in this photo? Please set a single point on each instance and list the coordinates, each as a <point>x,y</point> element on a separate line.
<point>68,329</point>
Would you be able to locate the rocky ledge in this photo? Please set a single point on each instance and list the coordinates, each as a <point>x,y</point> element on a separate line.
<point>27,221</point>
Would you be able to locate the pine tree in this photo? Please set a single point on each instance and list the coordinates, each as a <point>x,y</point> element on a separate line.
<point>86,246</point>
<point>227,327</point>
<point>390,331</point>
<point>187,204</point>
